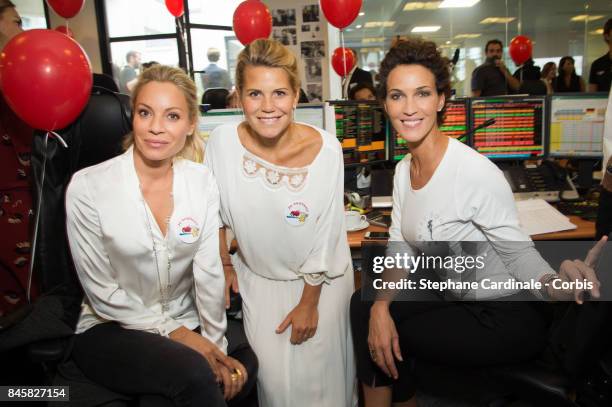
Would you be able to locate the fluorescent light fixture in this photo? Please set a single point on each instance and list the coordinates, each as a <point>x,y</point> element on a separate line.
<point>377,24</point>
<point>497,20</point>
<point>421,5</point>
<point>458,3</point>
<point>425,29</point>
<point>586,17</point>
<point>371,40</point>
<point>358,26</point>
<point>599,31</point>
<point>467,36</point>
<point>361,13</point>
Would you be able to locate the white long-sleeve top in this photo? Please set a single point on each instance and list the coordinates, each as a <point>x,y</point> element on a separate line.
<point>111,231</point>
<point>467,199</point>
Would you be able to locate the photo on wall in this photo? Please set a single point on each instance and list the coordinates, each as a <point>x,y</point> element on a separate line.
<point>314,91</point>
<point>283,17</point>
<point>313,49</point>
<point>310,14</point>
<point>305,28</point>
<point>286,35</point>
<point>312,69</point>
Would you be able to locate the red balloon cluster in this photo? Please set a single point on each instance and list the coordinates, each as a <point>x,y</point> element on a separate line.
<point>252,20</point>
<point>45,78</point>
<point>341,13</point>
<point>343,60</point>
<point>64,30</point>
<point>66,8</point>
<point>175,7</point>
<point>520,49</point>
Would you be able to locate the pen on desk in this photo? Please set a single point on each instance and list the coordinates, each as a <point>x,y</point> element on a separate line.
<point>377,223</point>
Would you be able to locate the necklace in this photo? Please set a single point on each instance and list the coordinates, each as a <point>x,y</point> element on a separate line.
<point>164,292</point>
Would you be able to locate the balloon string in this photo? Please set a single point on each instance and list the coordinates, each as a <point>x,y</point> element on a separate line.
<point>345,77</point>
<point>38,206</point>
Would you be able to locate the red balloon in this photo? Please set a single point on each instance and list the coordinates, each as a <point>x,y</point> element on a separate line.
<point>520,49</point>
<point>175,7</point>
<point>343,60</point>
<point>46,78</point>
<point>66,8</point>
<point>65,30</point>
<point>341,13</point>
<point>252,20</point>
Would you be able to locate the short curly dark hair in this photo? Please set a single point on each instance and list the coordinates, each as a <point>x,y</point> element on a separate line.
<point>417,51</point>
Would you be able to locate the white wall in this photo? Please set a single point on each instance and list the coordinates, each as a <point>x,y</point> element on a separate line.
<point>85,28</point>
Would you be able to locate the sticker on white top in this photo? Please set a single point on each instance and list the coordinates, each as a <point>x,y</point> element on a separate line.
<point>188,230</point>
<point>296,213</point>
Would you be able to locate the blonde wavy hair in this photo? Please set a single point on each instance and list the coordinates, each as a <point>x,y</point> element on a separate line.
<point>194,147</point>
<point>269,53</point>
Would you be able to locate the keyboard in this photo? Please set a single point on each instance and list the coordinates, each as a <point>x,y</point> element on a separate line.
<point>538,182</point>
<point>585,209</point>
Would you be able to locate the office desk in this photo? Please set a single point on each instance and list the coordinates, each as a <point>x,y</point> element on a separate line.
<point>585,230</point>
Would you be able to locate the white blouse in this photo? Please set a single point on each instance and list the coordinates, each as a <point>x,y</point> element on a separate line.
<point>288,222</point>
<point>111,231</point>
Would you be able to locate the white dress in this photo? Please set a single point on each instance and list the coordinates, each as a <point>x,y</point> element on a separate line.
<point>111,232</point>
<point>289,225</point>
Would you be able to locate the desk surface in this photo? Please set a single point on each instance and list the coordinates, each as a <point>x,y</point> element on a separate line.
<point>585,230</point>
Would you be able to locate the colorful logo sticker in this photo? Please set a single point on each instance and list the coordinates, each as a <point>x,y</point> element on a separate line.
<point>189,231</point>
<point>297,213</point>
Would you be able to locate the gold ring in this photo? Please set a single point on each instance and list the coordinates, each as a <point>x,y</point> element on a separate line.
<point>234,377</point>
<point>238,372</point>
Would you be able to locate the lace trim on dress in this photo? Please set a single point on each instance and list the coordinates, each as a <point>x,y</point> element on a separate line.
<point>275,177</point>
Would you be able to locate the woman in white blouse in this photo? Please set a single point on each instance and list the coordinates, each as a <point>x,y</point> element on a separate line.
<point>281,188</point>
<point>143,232</point>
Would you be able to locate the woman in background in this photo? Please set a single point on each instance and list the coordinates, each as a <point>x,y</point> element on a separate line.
<point>549,74</point>
<point>281,186</point>
<point>568,81</point>
<point>143,232</point>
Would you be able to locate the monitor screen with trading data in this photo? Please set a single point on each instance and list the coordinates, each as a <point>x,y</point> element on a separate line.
<point>361,128</point>
<point>577,125</point>
<point>518,132</point>
<point>454,125</point>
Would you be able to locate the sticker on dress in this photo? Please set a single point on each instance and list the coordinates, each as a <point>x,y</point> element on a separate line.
<point>188,230</point>
<point>297,213</point>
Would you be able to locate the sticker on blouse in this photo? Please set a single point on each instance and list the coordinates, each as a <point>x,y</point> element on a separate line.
<point>188,230</point>
<point>297,213</point>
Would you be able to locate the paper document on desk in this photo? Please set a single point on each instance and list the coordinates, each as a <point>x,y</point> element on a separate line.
<point>537,216</point>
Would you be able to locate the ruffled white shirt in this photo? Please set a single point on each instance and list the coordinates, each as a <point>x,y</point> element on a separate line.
<point>111,232</point>
<point>288,222</point>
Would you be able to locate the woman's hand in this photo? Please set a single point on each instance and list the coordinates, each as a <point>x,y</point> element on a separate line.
<point>303,319</point>
<point>574,271</point>
<point>203,346</point>
<point>234,377</point>
<point>383,339</point>
<point>231,281</point>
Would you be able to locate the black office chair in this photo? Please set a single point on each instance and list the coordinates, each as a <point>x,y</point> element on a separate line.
<point>105,81</point>
<point>215,97</point>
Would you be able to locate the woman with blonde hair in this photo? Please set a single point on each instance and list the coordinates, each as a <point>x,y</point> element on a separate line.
<point>143,232</point>
<point>281,186</point>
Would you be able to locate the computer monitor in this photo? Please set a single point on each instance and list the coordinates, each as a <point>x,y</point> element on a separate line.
<point>362,128</point>
<point>309,113</point>
<point>519,131</point>
<point>577,125</point>
<point>455,125</point>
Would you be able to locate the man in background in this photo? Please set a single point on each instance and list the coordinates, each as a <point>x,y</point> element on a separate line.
<point>129,74</point>
<point>215,76</point>
<point>493,78</point>
<point>601,69</point>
